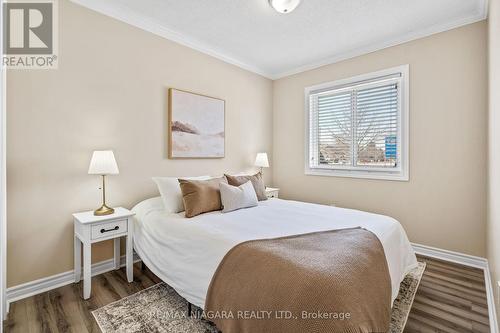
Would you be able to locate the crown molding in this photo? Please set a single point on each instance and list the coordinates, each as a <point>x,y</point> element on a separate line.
<point>143,22</point>
<point>480,15</point>
<point>128,16</point>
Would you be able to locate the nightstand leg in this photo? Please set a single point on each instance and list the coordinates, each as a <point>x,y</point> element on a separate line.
<point>130,251</point>
<point>117,253</point>
<point>78,259</point>
<point>86,270</point>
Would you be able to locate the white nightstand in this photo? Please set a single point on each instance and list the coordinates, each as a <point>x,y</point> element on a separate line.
<point>91,229</point>
<point>272,192</point>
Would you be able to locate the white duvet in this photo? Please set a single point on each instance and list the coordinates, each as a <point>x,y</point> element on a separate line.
<point>186,252</point>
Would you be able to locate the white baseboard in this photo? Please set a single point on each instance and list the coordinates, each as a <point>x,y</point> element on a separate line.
<point>466,260</point>
<point>55,281</point>
<point>451,256</point>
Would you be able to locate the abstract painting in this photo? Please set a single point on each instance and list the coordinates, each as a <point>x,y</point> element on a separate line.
<point>195,125</point>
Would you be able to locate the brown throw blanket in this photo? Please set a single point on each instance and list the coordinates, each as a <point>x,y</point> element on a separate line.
<point>331,281</point>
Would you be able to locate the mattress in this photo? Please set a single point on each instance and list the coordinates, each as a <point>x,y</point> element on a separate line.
<point>186,252</point>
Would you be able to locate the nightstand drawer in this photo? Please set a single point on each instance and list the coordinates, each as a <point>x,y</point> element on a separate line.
<point>273,194</point>
<point>109,229</point>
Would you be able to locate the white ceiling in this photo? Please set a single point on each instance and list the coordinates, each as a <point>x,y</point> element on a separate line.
<point>250,34</point>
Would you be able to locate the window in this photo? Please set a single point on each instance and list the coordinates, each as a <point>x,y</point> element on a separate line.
<point>359,127</point>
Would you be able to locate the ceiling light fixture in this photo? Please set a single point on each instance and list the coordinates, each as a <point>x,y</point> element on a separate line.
<point>284,6</point>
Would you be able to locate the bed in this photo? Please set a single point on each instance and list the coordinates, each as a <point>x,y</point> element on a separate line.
<point>185,253</point>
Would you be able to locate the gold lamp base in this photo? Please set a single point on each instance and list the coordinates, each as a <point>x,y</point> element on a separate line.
<point>103,210</point>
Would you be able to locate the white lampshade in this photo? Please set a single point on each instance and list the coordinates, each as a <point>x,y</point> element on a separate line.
<point>103,163</point>
<point>261,160</point>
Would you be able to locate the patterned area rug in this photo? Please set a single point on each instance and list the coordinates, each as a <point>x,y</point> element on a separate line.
<point>402,304</point>
<point>160,309</point>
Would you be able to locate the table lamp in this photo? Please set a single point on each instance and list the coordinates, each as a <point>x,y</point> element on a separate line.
<point>103,163</point>
<point>261,161</point>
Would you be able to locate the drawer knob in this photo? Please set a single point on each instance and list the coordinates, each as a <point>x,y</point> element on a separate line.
<point>107,230</point>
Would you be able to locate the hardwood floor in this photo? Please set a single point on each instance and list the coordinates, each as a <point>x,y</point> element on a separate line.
<point>64,310</point>
<point>451,298</point>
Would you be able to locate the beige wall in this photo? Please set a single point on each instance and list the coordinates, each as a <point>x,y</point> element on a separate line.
<point>109,93</point>
<point>444,203</point>
<point>493,227</point>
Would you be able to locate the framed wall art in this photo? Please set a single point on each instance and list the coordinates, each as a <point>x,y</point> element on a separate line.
<point>195,125</point>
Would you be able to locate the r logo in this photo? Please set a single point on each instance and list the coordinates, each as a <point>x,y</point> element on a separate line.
<point>28,28</point>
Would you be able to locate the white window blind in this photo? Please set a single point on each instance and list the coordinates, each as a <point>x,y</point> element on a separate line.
<point>356,126</point>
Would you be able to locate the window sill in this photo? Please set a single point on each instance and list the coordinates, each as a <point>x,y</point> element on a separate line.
<point>396,176</point>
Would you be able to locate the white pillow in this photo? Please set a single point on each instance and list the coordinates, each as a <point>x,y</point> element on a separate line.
<point>171,192</point>
<point>236,197</point>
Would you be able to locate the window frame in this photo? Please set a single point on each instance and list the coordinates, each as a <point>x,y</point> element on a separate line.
<point>401,173</point>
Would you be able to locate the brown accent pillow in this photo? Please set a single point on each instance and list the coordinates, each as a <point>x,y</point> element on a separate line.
<point>257,182</point>
<point>201,196</point>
